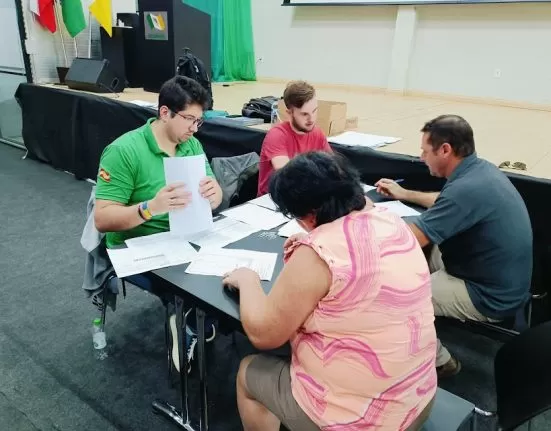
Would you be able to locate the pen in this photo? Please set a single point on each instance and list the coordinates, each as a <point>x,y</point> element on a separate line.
<point>399,180</point>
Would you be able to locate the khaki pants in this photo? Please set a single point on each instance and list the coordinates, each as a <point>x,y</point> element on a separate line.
<point>450,298</point>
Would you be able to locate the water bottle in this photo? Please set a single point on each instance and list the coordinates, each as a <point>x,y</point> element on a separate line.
<point>100,342</point>
<point>274,116</point>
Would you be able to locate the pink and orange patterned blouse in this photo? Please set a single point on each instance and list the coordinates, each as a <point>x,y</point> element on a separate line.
<point>365,358</point>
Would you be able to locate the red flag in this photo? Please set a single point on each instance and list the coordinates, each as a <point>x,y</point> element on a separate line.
<point>46,15</point>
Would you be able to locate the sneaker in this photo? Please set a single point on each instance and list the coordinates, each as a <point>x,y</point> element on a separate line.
<point>209,335</point>
<point>191,342</point>
<point>450,368</point>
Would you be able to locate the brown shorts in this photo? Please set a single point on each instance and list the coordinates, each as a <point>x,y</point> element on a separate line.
<point>269,382</point>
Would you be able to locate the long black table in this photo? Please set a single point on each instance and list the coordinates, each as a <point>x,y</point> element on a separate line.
<point>69,130</point>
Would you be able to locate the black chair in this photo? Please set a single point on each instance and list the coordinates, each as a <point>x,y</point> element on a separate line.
<point>523,378</point>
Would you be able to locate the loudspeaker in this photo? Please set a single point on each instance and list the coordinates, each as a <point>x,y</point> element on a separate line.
<point>94,75</point>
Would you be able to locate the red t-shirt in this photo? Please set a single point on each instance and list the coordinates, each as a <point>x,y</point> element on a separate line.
<point>282,140</point>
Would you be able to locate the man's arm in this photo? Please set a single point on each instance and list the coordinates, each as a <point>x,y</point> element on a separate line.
<point>270,321</point>
<point>279,161</point>
<point>112,216</point>
<point>420,235</point>
<point>391,189</point>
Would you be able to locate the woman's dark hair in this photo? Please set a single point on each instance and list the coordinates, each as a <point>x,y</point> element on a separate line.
<point>179,92</point>
<point>317,183</point>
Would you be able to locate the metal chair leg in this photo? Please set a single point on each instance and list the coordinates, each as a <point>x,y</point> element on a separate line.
<point>103,308</point>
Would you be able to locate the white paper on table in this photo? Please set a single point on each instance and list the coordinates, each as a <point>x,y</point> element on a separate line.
<point>144,104</point>
<point>290,228</point>
<point>197,215</point>
<point>259,217</point>
<point>398,207</point>
<point>130,261</point>
<point>367,187</point>
<point>176,249</point>
<point>356,139</point>
<point>221,261</point>
<point>264,201</point>
<point>223,232</point>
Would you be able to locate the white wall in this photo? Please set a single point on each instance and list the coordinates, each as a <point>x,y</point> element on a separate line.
<point>344,45</point>
<point>456,49</point>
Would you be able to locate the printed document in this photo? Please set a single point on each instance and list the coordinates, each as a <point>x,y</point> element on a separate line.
<point>218,262</point>
<point>176,249</point>
<point>356,139</point>
<point>264,201</point>
<point>223,232</point>
<point>254,215</point>
<point>197,215</point>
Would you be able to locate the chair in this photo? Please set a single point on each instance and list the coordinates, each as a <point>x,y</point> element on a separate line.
<point>522,378</point>
<point>450,413</point>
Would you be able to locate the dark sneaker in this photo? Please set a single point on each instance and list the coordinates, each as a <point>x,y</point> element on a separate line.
<point>450,368</point>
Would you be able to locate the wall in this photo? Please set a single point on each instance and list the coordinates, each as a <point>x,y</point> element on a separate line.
<point>46,50</point>
<point>344,45</point>
<point>497,51</point>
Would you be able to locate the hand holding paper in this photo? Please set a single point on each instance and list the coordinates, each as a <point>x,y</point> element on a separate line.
<point>171,197</point>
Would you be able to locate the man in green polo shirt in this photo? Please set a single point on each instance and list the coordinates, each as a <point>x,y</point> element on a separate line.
<point>132,197</point>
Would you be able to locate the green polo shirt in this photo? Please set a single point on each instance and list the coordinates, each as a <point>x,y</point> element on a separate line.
<point>131,171</point>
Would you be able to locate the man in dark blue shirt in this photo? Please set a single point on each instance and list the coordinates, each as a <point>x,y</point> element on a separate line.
<point>482,263</point>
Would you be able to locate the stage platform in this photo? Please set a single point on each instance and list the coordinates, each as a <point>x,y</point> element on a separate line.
<point>502,133</point>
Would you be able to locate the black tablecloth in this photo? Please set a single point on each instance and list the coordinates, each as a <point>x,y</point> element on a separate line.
<point>69,130</point>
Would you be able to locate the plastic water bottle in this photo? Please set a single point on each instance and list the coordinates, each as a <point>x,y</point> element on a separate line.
<point>274,116</point>
<point>100,342</point>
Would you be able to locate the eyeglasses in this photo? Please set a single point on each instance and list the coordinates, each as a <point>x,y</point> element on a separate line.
<point>190,119</point>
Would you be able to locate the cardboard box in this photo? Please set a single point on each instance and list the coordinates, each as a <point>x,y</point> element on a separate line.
<point>331,117</point>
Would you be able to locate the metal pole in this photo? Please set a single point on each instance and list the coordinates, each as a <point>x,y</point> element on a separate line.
<point>60,29</point>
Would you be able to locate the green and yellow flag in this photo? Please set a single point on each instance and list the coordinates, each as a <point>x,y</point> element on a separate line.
<point>73,16</point>
<point>101,9</point>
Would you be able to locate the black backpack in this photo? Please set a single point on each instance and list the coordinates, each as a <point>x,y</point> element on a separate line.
<point>192,67</point>
<point>260,107</point>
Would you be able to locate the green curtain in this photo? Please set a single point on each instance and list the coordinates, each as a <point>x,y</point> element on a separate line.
<point>232,51</point>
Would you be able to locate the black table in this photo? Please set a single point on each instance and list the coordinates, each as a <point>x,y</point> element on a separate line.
<point>208,296</point>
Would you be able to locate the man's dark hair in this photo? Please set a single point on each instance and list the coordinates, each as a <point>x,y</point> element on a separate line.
<point>297,93</point>
<point>452,129</point>
<point>179,92</point>
<point>317,183</point>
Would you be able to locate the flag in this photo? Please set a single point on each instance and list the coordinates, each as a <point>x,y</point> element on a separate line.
<point>101,9</point>
<point>46,14</point>
<point>73,16</point>
<point>156,21</point>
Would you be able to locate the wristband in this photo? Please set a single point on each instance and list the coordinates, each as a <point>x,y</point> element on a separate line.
<point>144,211</point>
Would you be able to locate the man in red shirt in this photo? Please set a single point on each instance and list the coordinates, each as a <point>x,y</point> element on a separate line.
<point>297,135</point>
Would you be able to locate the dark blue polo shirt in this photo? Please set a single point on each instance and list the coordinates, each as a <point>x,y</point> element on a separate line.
<point>482,227</point>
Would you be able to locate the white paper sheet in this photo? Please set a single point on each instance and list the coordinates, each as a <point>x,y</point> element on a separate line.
<point>130,261</point>
<point>223,232</point>
<point>259,217</point>
<point>290,228</point>
<point>265,201</point>
<point>197,215</point>
<point>398,207</point>
<point>368,188</point>
<point>356,139</point>
<point>221,261</point>
<point>176,249</point>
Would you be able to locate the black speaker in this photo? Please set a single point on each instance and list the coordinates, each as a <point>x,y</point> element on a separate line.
<point>94,75</point>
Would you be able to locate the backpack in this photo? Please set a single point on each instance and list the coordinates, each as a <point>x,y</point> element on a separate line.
<point>260,108</point>
<point>192,67</point>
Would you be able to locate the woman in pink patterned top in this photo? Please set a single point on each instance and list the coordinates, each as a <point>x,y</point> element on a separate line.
<point>353,299</point>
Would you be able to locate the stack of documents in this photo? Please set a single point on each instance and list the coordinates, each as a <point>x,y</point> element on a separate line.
<point>256,216</point>
<point>399,208</point>
<point>355,139</point>
<point>224,232</point>
<point>220,262</point>
<point>151,252</point>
